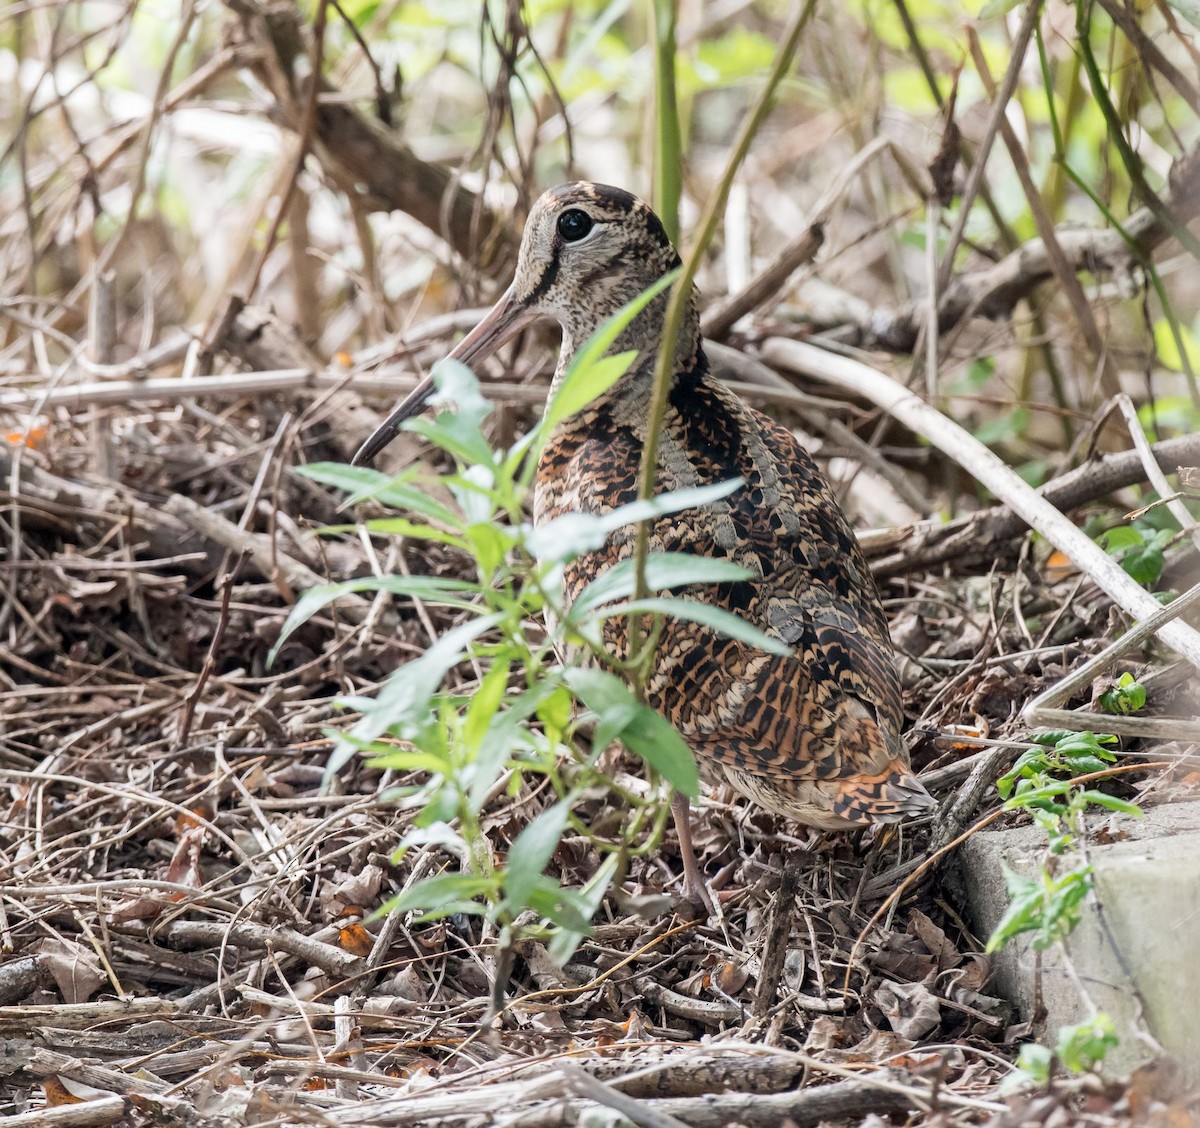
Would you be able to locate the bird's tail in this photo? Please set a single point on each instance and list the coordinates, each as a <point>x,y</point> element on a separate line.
<point>890,796</point>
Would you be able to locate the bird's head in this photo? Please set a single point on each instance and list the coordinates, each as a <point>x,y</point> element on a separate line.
<point>587,250</point>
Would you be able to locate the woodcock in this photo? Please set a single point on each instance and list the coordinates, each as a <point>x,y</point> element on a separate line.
<point>815,736</point>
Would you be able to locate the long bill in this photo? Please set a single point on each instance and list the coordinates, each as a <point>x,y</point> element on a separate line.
<point>503,322</point>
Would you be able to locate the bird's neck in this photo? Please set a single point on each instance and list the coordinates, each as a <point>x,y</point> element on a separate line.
<point>643,337</point>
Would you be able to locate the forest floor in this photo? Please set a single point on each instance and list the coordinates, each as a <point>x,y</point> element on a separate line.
<point>186,899</point>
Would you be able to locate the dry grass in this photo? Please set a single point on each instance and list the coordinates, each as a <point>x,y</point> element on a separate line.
<point>185,898</point>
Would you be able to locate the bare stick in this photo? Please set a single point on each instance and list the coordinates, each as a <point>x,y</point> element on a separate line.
<point>1042,710</point>
<point>800,250</point>
<point>986,468</point>
<point>642,1114</point>
<point>973,536</point>
<point>1154,474</point>
<point>102,1110</point>
<point>994,291</point>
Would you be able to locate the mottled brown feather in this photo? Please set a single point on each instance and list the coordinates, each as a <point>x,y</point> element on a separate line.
<point>814,736</point>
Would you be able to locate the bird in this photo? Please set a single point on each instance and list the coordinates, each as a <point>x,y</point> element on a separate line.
<point>815,736</point>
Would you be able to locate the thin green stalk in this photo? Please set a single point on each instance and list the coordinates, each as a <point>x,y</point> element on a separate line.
<point>681,295</point>
<point>668,141</point>
<point>1054,190</point>
<point>1008,237</point>
<point>1129,158</point>
<point>1060,157</point>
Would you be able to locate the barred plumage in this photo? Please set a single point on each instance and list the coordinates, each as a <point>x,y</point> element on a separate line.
<point>814,737</point>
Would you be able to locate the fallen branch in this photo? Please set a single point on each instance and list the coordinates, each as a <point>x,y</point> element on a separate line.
<point>1045,708</point>
<point>287,574</point>
<point>381,171</point>
<point>86,1114</point>
<point>802,249</point>
<point>841,1101</point>
<point>994,291</point>
<point>58,504</point>
<point>976,537</point>
<point>260,938</point>
<point>989,470</point>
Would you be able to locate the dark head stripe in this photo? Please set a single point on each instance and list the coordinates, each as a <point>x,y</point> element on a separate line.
<point>547,279</point>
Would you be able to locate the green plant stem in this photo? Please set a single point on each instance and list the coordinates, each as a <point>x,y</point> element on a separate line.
<point>1130,159</point>
<point>681,295</point>
<point>668,142</point>
<point>1008,237</point>
<point>1060,158</point>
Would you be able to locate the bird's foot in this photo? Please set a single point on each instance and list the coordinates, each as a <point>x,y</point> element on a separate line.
<point>696,893</point>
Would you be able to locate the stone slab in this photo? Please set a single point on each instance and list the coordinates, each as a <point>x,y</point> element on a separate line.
<point>1136,952</point>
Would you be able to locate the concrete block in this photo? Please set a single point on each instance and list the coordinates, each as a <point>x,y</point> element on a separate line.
<point>1136,951</point>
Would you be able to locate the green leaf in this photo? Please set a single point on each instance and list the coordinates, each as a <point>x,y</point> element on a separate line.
<point>454,433</point>
<point>1122,538</point>
<point>720,620</point>
<point>574,533</point>
<point>1049,736</point>
<point>993,9</point>
<point>1085,764</point>
<point>409,760</point>
<point>404,702</point>
<point>1034,1061</point>
<point>363,483</point>
<point>1112,803</point>
<point>1063,898</point>
<point>403,527</point>
<point>1167,347</point>
<point>1084,1046</point>
<point>664,571</point>
<point>485,702</point>
<point>442,895</point>
<point>1025,901</point>
<point>432,589</point>
<point>1127,696</point>
<point>531,851</point>
<point>1075,742</point>
<point>560,906</point>
<point>638,727</point>
<point>1033,796</point>
<point>1144,564</point>
<point>587,377</point>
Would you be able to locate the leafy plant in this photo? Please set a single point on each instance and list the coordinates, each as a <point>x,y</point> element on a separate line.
<point>1035,783</point>
<point>528,715</point>
<point>1139,549</point>
<point>1077,1048</point>
<point>1127,696</point>
<point>1045,781</point>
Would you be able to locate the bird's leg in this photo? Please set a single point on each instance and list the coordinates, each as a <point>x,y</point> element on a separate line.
<point>695,888</point>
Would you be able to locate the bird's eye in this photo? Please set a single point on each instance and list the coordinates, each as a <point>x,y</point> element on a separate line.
<point>574,225</point>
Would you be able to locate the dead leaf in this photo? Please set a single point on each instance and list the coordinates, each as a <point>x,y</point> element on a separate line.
<point>637,1029</point>
<point>935,940</point>
<point>361,888</point>
<point>794,966</point>
<point>185,862</point>
<point>1058,566</point>
<point>1159,1080</point>
<point>56,1092</point>
<point>730,977</point>
<point>76,969</point>
<point>911,1009</point>
<point>32,437</point>
<point>823,1035</point>
<point>184,869</point>
<point>878,1047</point>
<point>355,939</point>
